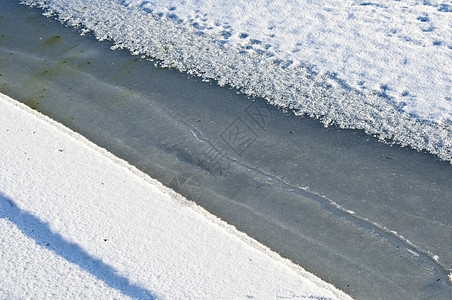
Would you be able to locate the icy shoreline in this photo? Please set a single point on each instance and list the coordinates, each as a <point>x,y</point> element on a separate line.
<point>287,83</point>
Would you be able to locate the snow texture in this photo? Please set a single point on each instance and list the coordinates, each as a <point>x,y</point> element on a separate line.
<point>77,222</point>
<point>382,66</point>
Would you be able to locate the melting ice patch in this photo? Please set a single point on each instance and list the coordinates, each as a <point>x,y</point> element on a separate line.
<point>381,66</point>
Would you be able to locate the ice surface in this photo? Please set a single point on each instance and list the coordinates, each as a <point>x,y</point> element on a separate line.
<point>344,206</point>
<point>384,67</point>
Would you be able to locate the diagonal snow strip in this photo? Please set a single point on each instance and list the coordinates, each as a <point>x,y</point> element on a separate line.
<point>83,198</point>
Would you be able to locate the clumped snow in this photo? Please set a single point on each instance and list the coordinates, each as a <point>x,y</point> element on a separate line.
<point>77,222</point>
<point>400,48</point>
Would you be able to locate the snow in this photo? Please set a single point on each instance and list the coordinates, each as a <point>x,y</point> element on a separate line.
<point>77,222</point>
<point>381,66</point>
<point>401,48</point>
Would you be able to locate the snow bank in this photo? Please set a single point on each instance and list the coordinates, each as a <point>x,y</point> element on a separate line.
<point>382,66</point>
<point>77,222</point>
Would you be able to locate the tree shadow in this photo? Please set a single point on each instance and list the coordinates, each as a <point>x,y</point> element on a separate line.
<point>39,231</point>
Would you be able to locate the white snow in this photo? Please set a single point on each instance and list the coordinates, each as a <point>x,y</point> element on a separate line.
<point>381,66</point>
<point>403,45</point>
<point>77,222</point>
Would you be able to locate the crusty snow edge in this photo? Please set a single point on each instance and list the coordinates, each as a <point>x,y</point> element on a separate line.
<point>177,198</point>
<point>280,82</point>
